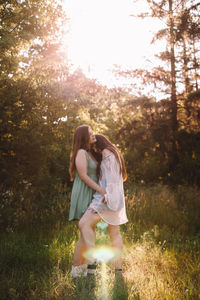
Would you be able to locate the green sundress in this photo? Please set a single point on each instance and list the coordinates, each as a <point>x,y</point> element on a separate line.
<point>82,194</point>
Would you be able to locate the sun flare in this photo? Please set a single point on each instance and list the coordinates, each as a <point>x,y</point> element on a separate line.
<point>103,34</point>
<point>103,253</point>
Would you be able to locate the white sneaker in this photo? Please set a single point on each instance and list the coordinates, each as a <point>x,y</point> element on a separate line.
<point>79,271</point>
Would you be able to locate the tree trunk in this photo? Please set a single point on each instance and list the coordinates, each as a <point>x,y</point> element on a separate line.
<point>195,64</point>
<point>185,67</point>
<point>173,84</point>
<point>185,72</point>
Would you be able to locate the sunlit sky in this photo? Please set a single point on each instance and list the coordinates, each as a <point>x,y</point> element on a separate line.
<point>102,33</point>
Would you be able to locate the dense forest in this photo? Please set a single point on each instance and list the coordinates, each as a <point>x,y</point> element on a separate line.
<point>43,101</point>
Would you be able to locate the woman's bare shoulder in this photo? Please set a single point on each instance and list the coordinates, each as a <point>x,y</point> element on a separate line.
<point>81,153</point>
<point>81,150</point>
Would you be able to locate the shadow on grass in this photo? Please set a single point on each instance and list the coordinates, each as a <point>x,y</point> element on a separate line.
<point>120,290</point>
<point>84,288</point>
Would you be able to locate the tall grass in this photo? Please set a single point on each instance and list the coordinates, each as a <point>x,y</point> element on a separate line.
<point>160,258</point>
<point>174,209</point>
<point>33,265</point>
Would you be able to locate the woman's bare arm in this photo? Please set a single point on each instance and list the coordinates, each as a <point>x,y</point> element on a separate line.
<point>81,166</point>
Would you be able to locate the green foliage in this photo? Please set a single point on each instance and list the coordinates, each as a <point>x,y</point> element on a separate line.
<point>29,206</point>
<point>160,254</point>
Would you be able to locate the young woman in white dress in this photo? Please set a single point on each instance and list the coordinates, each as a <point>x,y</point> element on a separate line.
<point>111,207</point>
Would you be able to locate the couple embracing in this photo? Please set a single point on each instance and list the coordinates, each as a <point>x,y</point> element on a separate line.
<point>98,171</point>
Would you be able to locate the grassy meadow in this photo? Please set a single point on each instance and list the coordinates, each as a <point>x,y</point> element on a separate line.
<point>161,255</point>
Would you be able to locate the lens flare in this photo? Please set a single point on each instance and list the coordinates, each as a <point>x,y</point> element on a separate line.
<point>103,254</point>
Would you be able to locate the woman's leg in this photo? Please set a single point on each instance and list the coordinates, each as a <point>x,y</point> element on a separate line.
<point>116,240</point>
<point>87,226</point>
<point>79,267</point>
<point>78,252</point>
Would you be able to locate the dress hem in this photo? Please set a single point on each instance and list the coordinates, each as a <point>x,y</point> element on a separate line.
<point>107,221</point>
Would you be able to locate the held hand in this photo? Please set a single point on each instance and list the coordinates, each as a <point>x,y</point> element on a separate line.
<point>102,192</point>
<point>104,200</point>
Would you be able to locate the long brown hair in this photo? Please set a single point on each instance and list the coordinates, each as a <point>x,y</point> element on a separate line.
<point>103,143</point>
<point>80,141</point>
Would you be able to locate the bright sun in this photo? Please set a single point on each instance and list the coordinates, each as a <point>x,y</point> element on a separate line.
<point>103,34</point>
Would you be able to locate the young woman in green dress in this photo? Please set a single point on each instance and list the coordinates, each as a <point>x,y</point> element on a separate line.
<point>83,166</point>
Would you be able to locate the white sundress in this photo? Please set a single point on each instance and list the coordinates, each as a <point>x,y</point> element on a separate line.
<point>114,211</point>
